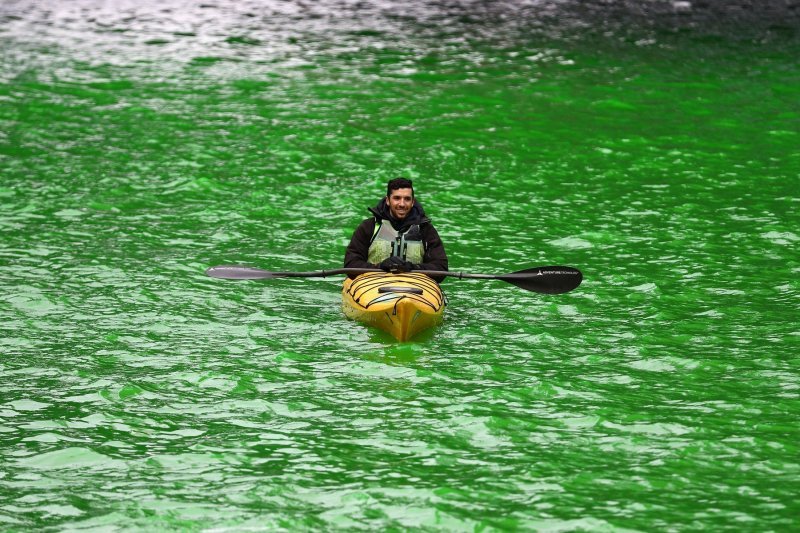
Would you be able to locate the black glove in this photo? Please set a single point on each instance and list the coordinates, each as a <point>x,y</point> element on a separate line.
<point>397,264</point>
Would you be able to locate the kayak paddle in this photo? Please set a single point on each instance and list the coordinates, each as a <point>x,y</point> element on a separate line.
<point>545,280</point>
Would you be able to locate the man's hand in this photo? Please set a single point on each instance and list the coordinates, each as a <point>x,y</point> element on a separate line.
<point>396,264</point>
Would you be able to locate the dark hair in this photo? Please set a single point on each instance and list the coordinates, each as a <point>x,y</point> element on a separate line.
<point>399,183</point>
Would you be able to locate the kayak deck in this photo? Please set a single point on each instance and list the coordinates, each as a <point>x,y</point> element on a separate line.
<point>402,304</point>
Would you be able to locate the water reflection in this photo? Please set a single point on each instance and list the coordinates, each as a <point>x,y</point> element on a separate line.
<point>293,34</point>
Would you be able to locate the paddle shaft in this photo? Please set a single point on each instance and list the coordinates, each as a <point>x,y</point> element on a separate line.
<point>338,271</point>
<point>546,280</point>
<point>257,273</point>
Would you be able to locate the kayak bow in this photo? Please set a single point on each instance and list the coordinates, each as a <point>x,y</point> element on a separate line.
<point>402,304</point>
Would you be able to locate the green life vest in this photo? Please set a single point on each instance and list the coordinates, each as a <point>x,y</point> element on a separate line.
<point>387,241</point>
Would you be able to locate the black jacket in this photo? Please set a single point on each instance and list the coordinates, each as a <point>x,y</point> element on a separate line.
<point>357,251</point>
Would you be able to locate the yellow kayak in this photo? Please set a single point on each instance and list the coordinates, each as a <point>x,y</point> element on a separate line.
<point>402,304</point>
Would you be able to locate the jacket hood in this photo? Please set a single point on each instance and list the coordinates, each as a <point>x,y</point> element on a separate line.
<point>415,216</point>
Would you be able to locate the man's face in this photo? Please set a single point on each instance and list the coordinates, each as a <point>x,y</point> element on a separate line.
<point>400,202</point>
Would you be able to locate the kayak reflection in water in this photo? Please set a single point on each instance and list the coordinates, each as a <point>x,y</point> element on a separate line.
<point>398,237</point>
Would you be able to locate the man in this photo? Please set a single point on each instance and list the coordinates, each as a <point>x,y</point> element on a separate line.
<point>399,237</point>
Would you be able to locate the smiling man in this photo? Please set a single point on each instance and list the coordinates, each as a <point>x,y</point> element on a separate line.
<point>398,237</point>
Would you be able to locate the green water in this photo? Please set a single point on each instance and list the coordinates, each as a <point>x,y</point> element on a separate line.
<point>656,151</point>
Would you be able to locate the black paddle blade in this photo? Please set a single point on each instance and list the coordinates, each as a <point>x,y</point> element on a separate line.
<point>239,272</point>
<point>546,280</point>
